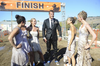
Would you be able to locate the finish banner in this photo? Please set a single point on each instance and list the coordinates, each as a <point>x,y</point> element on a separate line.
<point>29,6</point>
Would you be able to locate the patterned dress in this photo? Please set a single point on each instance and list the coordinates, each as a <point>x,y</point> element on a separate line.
<point>70,53</point>
<point>84,57</point>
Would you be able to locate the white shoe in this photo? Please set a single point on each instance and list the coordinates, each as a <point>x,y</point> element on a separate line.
<point>68,64</point>
<point>38,62</point>
<point>65,59</point>
<point>48,62</point>
<point>30,64</point>
<point>57,63</point>
<point>65,64</point>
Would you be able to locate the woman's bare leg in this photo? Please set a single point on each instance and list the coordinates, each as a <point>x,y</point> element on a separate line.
<point>41,55</point>
<point>69,60</point>
<point>31,54</point>
<point>73,60</point>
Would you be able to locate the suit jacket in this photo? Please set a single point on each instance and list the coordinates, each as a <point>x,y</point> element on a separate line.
<point>48,32</point>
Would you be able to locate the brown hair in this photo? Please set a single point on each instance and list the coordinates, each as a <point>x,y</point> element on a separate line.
<point>19,19</point>
<point>51,11</point>
<point>73,19</point>
<point>83,14</point>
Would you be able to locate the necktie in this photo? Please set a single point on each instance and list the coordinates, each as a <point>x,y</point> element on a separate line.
<point>52,24</point>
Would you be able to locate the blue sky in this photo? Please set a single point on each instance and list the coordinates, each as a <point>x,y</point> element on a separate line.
<point>73,7</point>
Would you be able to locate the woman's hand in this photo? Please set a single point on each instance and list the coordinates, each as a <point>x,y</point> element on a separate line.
<point>19,46</point>
<point>69,48</point>
<point>87,46</point>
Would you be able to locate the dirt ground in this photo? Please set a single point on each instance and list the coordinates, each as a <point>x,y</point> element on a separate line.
<point>6,52</point>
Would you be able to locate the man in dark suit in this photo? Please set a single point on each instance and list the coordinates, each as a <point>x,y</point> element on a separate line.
<point>50,35</point>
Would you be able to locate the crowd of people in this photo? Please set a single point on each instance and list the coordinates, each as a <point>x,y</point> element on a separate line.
<point>25,40</point>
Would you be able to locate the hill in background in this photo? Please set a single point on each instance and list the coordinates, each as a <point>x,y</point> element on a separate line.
<point>94,21</point>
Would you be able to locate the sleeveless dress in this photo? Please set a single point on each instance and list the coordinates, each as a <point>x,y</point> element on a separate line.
<point>73,45</point>
<point>26,47</point>
<point>34,41</point>
<point>19,57</point>
<point>83,57</point>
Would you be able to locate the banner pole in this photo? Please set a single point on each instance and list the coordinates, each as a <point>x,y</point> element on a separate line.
<point>11,21</point>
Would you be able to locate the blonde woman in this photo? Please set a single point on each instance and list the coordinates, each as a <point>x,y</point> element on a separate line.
<point>34,41</point>
<point>84,57</point>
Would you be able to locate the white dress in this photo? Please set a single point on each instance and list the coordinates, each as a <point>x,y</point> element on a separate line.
<point>19,57</point>
<point>26,47</point>
<point>34,41</point>
<point>83,57</point>
<point>70,53</point>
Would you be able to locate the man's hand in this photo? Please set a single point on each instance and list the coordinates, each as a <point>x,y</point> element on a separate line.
<point>60,38</point>
<point>19,46</point>
<point>45,40</point>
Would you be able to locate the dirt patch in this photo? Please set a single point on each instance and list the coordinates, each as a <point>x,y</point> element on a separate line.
<point>6,52</point>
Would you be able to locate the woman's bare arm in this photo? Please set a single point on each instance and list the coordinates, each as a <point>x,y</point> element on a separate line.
<point>10,38</point>
<point>72,35</point>
<point>38,33</point>
<point>92,33</point>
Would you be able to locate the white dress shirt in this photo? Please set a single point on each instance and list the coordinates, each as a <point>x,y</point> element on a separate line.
<point>50,22</point>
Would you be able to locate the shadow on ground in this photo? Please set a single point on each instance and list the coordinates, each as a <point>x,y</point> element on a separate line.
<point>59,54</point>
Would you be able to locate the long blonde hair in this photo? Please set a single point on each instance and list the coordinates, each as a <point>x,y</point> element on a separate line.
<point>31,21</point>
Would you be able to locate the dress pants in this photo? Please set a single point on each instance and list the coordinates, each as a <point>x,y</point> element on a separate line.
<point>54,43</point>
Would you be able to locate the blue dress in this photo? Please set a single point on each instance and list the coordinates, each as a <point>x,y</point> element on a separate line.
<point>26,47</point>
<point>19,57</point>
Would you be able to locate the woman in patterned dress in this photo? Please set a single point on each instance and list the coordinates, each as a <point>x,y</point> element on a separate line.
<point>84,57</point>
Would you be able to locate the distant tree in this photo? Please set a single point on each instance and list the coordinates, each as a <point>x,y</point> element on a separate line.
<point>67,26</point>
<point>4,20</point>
<point>98,27</point>
<point>60,24</point>
<point>95,25</point>
<point>77,25</point>
<point>38,21</point>
<point>28,21</point>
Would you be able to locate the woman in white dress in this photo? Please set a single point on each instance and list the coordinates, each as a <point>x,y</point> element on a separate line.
<point>19,57</point>
<point>71,41</point>
<point>35,39</point>
<point>84,57</point>
<point>26,47</point>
